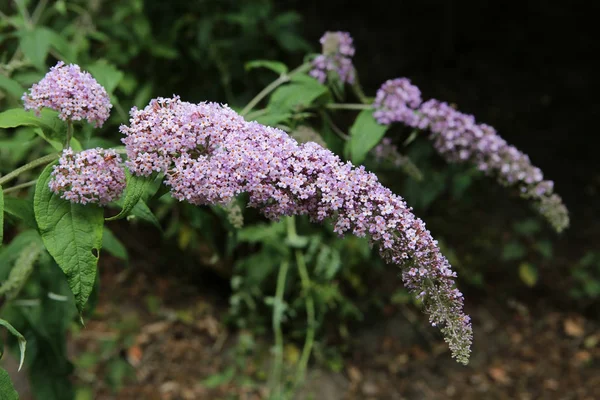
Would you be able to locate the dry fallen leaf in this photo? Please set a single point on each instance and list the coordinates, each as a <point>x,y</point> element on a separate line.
<point>499,375</point>
<point>574,326</point>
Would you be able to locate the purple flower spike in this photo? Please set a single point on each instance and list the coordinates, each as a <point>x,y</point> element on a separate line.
<point>73,93</point>
<point>336,57</point>
<point>91,176</point>
<point>458,138</point>
<point>210,155</point>
<point>396,101</point>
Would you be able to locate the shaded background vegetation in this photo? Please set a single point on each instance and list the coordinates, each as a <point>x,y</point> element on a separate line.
<point>530,70</point>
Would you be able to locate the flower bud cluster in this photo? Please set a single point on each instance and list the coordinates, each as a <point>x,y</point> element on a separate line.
<point>396,101</point>
<point>90,176</point>
<point>75,94</point>
<point>210,155</point>
<point>336,58</point>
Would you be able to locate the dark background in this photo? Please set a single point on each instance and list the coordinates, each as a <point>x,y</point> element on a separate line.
<point>530,69</point>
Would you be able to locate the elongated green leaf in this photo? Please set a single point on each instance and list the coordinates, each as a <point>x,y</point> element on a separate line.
<point>143,212</point>
<point>21,209</point>
<point>274,66</point>
<point>365,133</point>
<point>72,234</point>
<point>1,215</point>
<point>20,338</point>
<point>136,188</point>
<point>35,45</point>
<point>11,87</point>
<point>113,245</point>
<point>10,252</point>
<point>48,126</point>
<point>21,270</point>
<point>7,390</point>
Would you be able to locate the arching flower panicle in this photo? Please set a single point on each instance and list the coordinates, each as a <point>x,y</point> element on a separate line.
<point>225,156</point>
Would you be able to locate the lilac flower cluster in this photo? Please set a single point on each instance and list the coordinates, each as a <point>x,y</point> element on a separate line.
<point>396,101</point>
<point>336,57</point>
<point>73,93</point>
<point>458,138</point>
<point>210,155</point>
<point>90,176</point>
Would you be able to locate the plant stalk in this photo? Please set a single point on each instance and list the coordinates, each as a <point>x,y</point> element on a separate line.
<point>31,165</point>
<point>272,86</point>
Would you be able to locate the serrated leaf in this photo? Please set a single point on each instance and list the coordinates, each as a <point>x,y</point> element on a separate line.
<point>365,133</point>
<point>7,390</point>
<point>20,338</point>
<point>274,66</point>
<point>113,245</point>
<point>21,209</point>
<point>72,234</point>
<point>35,45</point>
<point>137,187</point>
<point>528,274</point>
<point>11,87</point>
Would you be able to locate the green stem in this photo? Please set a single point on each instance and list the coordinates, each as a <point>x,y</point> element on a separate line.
<point>272,86</point>
<point>33,164</point>
<point>358,91</point>
<point>334,127</point>
<point>69,134</point>
<point>338,106</point>
<point>21,186</point>
<point>276,372</point>
<point>310,319</point>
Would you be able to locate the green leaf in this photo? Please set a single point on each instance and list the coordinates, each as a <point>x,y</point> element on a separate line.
<point>20,338</point>
<point>1,215</point>
<point>35,45</point>
<point>143,212</point>
<point>48,126</point>
<point>10,252</point>
<point>295,96</point>
<point>274,66</point>
<point>528,274</point>
<point>513,250</point>
<point>21,209</point>
<point>272,119</point>
<point>365,133</point>
<point>21,270</point>
<point>11,87</point>
<point>7,390</point>
<point>137,187</point>
<point>72,234</point>
<point>58,42</point>
<point>113,245</point>
<point>219,379</point>
<point>106,74</point>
